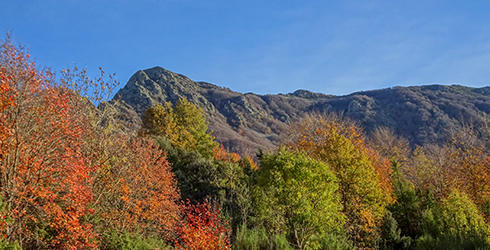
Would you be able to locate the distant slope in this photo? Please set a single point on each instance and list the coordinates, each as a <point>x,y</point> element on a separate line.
<point>245,122</point>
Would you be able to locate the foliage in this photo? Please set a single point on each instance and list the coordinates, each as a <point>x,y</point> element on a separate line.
<point>455,224</point>
<point>485,208</point>
<point>224,179</point>
<point>296,196</point>
<point>234,179</point>
<point>184,126</point>
<point>68,171</point>
<point>192,118</point>
<point>364,184</point>
<point>430,169</point>
<point>4,220</point>
<point>220,154</point>
<point>456,165</point>
<point>258,239</point>
<point>407,210</point>
<point>390,235</point>
<point>196,176</point>
<point>390,146</point>
<point>45,174</point>
<point>136,190</point>
<point>113,240</point>
<point>5,245</point>
<point>336,242</point>
<point>201,228</point>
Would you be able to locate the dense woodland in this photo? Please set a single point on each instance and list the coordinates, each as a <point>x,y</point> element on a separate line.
<point>72,176</point>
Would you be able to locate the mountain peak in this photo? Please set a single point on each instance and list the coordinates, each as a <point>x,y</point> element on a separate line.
<point>156,85</point>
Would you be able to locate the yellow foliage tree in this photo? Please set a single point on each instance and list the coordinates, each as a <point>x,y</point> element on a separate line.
<point>184,126</point>
<point>364,183</point>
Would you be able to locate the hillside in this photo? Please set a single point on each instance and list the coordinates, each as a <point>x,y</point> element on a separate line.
<point>245,122</point>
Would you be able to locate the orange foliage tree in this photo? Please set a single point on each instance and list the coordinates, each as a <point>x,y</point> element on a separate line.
<point>45,179</point>
<point>473,174</point>
<point>364,176</point>
<point>220,154</point>
<point>6,100</point>
<point>136,190</point>
<point>201,228</point>
<point>441,169</point>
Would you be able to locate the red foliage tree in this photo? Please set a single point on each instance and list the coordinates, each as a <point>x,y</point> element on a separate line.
<point>201,228</point>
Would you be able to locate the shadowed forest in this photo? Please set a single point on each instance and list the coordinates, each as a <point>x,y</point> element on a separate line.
<point>72,176</point>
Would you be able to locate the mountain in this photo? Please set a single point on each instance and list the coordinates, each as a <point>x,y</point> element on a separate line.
<point>245,122</point>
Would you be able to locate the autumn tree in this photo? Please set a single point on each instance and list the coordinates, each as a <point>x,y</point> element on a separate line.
<point>45,176</point>
<point>390,145</point>
<point>472,171</point>
<point>364,183</point>
<point>6,100</point>
<point>456,165</point>
<point>192,118</point>
<point>184,126</point>
<point>6,93</point>
<point>136,190</point>
<point>201,228</point>
<point>297,196</point>
<point>161,121</point>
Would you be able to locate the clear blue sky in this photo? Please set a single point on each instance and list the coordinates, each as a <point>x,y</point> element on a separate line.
<point>265,47</point>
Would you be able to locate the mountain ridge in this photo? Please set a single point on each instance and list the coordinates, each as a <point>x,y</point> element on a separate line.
<point>245,122</point>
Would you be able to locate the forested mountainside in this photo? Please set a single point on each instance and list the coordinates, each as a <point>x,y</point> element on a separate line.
<point>245,122</point>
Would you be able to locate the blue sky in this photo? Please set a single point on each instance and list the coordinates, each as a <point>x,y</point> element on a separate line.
<point>265,47</point>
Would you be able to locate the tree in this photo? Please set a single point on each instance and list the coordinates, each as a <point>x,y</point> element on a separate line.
<point>390,146</point>
<point>439,169</point>
<point>184,126</point>
<point>472,169</point>
<point>455,224</point>
<point>202,228</point>
<point>296,196</point>
<point>407,210</point>
<point>364,183</point>
<point>197,177</point>
<point>6,100</point>
<point>45,177</point>
<point>390,234</point>
<point>162,121</point>
<point>136,190</point>
<point>192,118</point>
